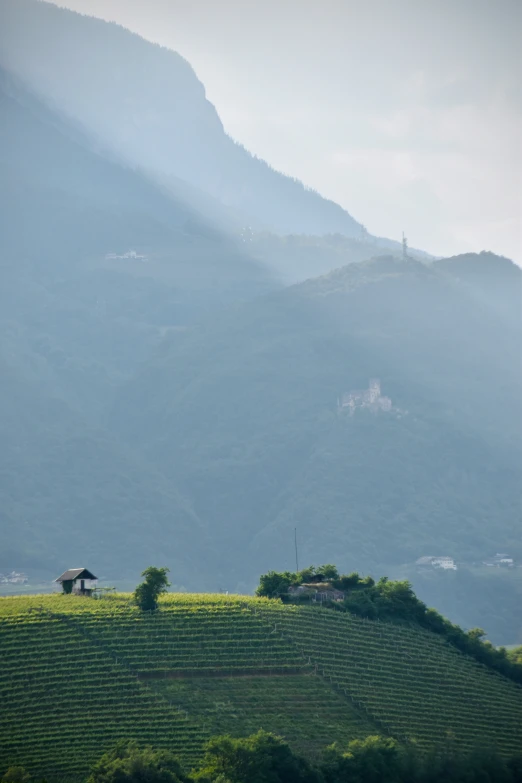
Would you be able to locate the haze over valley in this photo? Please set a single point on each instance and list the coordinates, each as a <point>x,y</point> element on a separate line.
<point>186,339</point>
<point>260,392</point>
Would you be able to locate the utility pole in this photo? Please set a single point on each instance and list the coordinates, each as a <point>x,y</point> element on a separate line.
<point>296,559</point>
<point>404,246</point>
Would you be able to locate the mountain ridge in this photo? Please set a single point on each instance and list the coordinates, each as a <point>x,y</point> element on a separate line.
<point>212,162</point>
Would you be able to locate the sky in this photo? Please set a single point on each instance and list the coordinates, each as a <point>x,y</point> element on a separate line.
<point>407,113</point>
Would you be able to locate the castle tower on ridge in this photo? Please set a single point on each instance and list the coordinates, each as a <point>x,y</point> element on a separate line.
<point>374,390</point>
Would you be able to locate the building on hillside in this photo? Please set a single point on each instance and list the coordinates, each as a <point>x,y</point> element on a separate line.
<point>329,594</point>
<point>369,398</point>
<point>501,560</point>
<point>446,563</point>
<point>129,255</point>
<point>317,592</point>
<point>79,581</point>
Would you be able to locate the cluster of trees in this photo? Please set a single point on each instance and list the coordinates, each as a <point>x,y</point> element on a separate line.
<point>266,758</point>
<point>392,601</point>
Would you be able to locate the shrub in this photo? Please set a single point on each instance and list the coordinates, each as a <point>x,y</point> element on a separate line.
<point>147,593</point>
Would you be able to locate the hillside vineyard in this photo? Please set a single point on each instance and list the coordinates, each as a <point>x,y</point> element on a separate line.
<point>79,674</point>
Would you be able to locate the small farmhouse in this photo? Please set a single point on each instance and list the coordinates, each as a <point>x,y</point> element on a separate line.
<point>317,592</point>
<point>79,581</point>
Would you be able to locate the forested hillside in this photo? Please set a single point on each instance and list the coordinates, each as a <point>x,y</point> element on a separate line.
<point>244,412</point>
<point>75,323</point>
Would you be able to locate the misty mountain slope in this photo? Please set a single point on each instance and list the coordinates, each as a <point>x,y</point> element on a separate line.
<point>74,324</point>
<point>146,103</point>
<point>492,280</point>
<point>244,413</point>
<point>81,203</point>
<point>65,208</point>
<point>73,200</point>
<point>70,493</point>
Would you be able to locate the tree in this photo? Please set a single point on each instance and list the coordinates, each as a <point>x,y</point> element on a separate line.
<point>260,758</point>
<point>515,655</point>
<point>309,574</point>
<point>147,593</point>
<point>372,760</point>
<point>328,572</point>
<point>477,634</point>
<point>274,585</point>
<point>128,763</point>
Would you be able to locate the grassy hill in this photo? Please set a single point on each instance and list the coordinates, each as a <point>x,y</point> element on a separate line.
<point>79,674</point>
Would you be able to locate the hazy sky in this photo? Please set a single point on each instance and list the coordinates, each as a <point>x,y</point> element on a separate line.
<point>406,112</point>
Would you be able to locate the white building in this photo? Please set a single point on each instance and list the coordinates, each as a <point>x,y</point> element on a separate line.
<point>444,562</point>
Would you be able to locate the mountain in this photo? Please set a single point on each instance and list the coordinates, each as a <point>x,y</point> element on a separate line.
<point>167,401</point>
<point>83,204</point>
<point>244,412</point>
<point>145,103</point>
<point>94,255</point>
<point>78,313</point>
<point>214,664</point>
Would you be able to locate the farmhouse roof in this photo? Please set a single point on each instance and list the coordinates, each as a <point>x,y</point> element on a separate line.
<point>75,573</point>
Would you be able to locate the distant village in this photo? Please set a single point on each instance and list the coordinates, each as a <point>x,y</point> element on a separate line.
<point>131,255</point>
<point>445,563</point>
<point>14,578</point>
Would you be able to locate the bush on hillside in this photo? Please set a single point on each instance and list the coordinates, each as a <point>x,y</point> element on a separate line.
<point>515,655</point>
<point>260,758</point>
<point>274,585</point>
<point>16,775</point>
<point>147,593</point>
<point>372,760</point>
<point>128,763</point>
<point>378,759</point>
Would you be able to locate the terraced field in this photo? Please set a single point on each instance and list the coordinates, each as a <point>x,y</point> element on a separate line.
<point>410,681</point>
<point>77,674</point>
<point>302,708</point>
<point>64,699</point>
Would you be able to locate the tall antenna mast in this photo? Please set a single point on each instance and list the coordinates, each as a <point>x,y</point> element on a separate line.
<point>404,246</point>
<point>295,541</point>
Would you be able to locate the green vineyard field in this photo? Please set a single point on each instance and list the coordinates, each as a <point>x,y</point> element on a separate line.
<point>78,674</point>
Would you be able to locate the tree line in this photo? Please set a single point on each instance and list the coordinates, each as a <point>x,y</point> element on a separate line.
<point>267,758</point>
<point>393,601</point>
